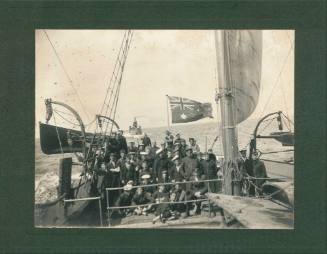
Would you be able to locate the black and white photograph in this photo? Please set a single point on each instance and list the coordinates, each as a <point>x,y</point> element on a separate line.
<point>164,129</point>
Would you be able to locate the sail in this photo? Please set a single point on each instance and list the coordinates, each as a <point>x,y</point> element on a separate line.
<point>243,55</point>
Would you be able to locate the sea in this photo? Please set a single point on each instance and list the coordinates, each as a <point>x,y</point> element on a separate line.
<point>46,166</point>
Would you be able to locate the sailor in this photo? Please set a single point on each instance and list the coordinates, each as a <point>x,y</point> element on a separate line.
<point>245,166</point>
<point>164,178</point>
<point>199,157</point>
<point>259,171</point>
<point>177,194</point>
<point>170,142</point>
<point>114,176</point>
<point>195,147</point>
<point>128,173</point>
<point>161,197</point>
<point>197,191</point>
<point>176,174</point>
<point>209,168</point>
<point>146,180</point>
<point>146,140</point>
<point>121,140</point>
<point>144,169</point>
<point>132,147</point>
<point>189,163</point>
<point>141,198</point>
<point>167,137</point>
<point>182,148</point>
<point>141,147</point>
<point>177,138</point>
<point>160,163</point>
<point>122,156</point>
<point>125,199</point>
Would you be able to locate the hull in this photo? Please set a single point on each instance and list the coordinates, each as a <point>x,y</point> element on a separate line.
<point>59,213</point>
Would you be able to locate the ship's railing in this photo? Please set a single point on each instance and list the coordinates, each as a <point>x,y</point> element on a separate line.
<point>88,199</point>
<point>203,198</point>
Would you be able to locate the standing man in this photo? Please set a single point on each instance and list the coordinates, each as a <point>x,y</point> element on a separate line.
<point>189,165</point>
<point>146,140</point>
<point>195,147</point>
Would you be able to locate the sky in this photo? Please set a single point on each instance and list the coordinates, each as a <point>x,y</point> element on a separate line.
<point>160,62</point>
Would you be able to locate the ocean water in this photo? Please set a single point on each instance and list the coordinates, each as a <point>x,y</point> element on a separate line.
<point>46,166</point>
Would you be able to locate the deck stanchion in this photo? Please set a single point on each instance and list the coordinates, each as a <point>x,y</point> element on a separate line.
<point>108,207</point>
<point>100,212</point>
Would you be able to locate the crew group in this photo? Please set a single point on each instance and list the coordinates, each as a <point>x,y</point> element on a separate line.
<point>174,161</point>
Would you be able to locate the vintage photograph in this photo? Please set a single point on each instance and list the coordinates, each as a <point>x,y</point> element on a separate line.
<point>164,129</point>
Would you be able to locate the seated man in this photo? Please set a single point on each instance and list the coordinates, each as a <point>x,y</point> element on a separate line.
<point>197,191</point>
<point>125,199</point>
<point>162,208</point>
<point>177,194</point>
<point>141,198</point>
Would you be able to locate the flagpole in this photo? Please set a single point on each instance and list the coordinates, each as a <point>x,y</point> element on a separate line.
<point>168,121</point>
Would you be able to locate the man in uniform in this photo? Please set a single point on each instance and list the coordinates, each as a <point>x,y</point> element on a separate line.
<point>182,148</point>
<point>121,141</point>
<point>177,172</point>
<point>189,164</point>
<point>146,140</point>
<point>160,163</point>
<point>132,147</point>
<point>195,147</point>
<point>210,170</point>
<point>177,138</point>
<point>259,171</point>
<point>198,189</point>
<point>141,198</point>
<point>114,176</point>
<point>125,199</point>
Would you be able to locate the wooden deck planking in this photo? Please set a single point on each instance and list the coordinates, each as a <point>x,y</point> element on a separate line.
<point>255,213</point>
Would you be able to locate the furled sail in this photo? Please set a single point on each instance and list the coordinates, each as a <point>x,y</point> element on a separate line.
<point>243,55</point>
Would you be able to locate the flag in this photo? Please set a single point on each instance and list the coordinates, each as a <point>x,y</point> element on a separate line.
<point>184,110</point>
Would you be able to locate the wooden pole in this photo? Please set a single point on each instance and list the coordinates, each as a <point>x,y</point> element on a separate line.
<point>229,137</point>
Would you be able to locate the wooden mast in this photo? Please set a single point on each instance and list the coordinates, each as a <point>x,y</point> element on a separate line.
<point>227,108</point>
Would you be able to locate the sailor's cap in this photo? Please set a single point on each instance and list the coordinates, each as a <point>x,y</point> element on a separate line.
<point>164,172</point>
<point>191,139</point>
<point>131,153</point>
<point>144,153</point>
<point>112,154</point>
<point>145,176</point>
<point>210,150</point>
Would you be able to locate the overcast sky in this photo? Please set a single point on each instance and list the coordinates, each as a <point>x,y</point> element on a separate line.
<point>160,62</point>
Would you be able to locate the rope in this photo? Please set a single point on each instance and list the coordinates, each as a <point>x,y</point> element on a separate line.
<point>65,71</point>
<point>277,81</point>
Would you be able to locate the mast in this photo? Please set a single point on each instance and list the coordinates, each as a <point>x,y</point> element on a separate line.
<point>227,108</point>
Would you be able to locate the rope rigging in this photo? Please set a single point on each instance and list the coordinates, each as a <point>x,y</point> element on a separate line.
<point>66,73</point>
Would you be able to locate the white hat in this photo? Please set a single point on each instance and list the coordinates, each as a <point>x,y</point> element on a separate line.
<point>143,153</point>
<point>145,176</point>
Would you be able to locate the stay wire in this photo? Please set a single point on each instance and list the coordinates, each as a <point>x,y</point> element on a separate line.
<point>66,73</point>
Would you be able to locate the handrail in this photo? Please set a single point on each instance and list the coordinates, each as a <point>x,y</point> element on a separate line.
<point>158,184</point>
<point>165,202</point>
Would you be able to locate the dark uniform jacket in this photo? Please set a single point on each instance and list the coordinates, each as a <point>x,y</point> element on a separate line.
<point>128,174</point>
<point>141,199</point>
<point>177,174</point>
<point>124,199</point>
<point>201,187</point>
<point>114,177</point>
<point>159,165</point>
<point>146,141</point>
<point>209,168</point>
<point>188,166</point>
